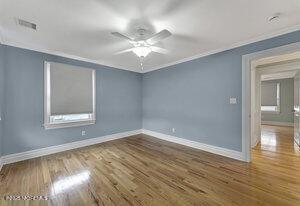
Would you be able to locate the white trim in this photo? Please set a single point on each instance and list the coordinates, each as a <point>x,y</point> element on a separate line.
<point>68,124</point>
<point>232,46</point>
<point>270,112</point>
<point>1,163</point>
<point>273,69</point>
<point>7,159</point>
<point>94,95</point>
<point>62,54</point>
<point>277,76</point>
<point>253,144</point>
<point>287,124</point>
<point>246,90</point>
<point>11,158</point>
<point>47,102</point>
<point>47,96</point>
<point>205,147</point>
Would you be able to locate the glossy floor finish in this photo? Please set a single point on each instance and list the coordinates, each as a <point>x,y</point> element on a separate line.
<point>142,170</point>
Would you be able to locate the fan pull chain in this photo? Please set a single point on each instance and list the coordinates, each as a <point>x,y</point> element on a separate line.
<point>141,61</point>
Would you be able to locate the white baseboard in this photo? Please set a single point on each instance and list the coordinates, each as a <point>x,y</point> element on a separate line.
<point>7,159</point>
<point>208,148</point>
<point>1,163</point>
<point>287,124</point>
<point>255,142</point>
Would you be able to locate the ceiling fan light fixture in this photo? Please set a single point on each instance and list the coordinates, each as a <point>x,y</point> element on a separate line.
<point>142,51</point>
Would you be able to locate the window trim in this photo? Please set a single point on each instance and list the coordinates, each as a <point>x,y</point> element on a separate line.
<point>47,103</point>
<point>270,111</point>
<point>278,102</point>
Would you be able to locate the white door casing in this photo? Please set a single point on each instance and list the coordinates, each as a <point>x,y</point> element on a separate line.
<point>248,113</point>
<point>297,108</point>
<point>255,106</point>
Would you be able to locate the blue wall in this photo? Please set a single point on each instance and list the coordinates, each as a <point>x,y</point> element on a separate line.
<point>193,97</point>
<point>118,93</point>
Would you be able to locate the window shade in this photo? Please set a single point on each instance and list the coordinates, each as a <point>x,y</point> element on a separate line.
<point>71,89</point>
<point>268,94</point>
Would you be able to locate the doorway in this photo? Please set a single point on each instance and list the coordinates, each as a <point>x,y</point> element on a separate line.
<point>279,80</point>
<point>265,64</point>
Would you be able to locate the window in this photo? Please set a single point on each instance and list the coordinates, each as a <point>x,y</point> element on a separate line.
<point>270,97</point>
<point>69,98</point>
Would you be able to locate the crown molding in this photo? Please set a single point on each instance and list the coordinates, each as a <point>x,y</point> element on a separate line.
<point>62,54</point>
<point>232,46</point>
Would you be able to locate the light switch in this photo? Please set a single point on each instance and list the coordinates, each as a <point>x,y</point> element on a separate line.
<point>232,100</point>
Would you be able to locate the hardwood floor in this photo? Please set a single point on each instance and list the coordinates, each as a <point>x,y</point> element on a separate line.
<point>141,170</point>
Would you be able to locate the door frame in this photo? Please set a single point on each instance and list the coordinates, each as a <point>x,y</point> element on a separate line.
<point>247,81</point>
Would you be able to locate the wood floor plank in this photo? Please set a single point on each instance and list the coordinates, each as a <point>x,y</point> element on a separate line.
<point>142,170</point>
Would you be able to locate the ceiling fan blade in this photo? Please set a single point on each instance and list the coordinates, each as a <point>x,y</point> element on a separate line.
<point>122,36</point>
<point>159,36</point>
<point>159,50</point>
<point>124,51</point>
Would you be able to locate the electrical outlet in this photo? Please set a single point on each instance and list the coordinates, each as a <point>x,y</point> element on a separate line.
<point>83,133</point>
<point>173,130</point>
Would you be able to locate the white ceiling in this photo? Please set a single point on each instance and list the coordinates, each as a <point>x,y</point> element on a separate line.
<point>81,28</point>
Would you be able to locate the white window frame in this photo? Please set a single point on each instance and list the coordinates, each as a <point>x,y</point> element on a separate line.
<point>277,107</point>
<point>48,119</point>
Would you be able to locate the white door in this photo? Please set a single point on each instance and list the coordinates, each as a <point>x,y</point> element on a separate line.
<point>297,108</point>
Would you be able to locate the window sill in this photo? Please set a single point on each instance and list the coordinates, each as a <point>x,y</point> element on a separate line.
<point>68,124</point>
<point>270,112</point>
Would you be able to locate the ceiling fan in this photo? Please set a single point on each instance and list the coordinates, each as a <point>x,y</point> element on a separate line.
<point>143,46</point>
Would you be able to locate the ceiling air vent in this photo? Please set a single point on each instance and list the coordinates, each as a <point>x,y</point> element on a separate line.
<point>27,24</point>
<point>274,17</point>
